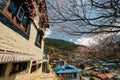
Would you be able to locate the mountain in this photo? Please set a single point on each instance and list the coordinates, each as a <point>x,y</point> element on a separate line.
<point>60,44</point>
<point>59,48</point>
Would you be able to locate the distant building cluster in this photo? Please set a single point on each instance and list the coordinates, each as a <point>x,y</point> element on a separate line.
<point>89,69</point>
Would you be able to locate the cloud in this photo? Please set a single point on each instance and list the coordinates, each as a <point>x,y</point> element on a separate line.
<point>86,41</point>
<point>92,40</point>
<point>48,32</point>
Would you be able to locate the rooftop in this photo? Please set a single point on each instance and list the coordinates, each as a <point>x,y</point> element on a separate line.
<point>67,69</point>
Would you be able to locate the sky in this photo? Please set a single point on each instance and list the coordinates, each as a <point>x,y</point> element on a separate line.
<point>87,41</point>
<point>81,40</point>
<point>51,33</point>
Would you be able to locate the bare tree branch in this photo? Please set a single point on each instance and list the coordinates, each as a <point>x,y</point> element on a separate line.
<point>77,17</point>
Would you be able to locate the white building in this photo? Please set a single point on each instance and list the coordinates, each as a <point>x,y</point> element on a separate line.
<point>68,72</point>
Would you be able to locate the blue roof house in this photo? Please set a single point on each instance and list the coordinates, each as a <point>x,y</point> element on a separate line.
<point>68,72</point>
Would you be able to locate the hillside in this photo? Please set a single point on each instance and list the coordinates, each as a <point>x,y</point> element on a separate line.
<point>60,44</point>
<point>59,48</point>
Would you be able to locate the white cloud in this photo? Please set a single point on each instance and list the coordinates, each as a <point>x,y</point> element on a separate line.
<point>92,40</point>
<point>86,41</point>
<point>48,32</point>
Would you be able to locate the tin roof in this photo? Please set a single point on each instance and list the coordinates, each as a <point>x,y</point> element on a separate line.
<point>12,56</point>
<point>111,74</point>
<point>67,69</point>
<point>102,76</point>
<point>106,75</point>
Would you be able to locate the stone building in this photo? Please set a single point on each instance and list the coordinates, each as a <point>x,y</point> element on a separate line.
<point>22,27</point>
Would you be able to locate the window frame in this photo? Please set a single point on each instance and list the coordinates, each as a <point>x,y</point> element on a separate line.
<point>20,8</point>
<point>39,38</point>
<point>12,21</point>
<point>18,67</point>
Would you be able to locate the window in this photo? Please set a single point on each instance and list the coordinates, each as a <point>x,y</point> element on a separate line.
<point>13,7</point>
<point>20,13</point>
<point>2,69</point>
<point>22,17</point>
<point>39,38</point>
<point>17,67</point>
<point>34,63</point>
<point>74,76</point>
<point>16,16</point>
<point>34,67</point>
<point>39,65</point>
<point>25,22</point>
<point>3,3</point>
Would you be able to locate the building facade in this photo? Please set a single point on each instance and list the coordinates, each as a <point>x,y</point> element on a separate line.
<point>22,27</point>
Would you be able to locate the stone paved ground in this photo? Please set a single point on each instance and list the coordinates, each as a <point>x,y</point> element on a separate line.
<point>47,76</point>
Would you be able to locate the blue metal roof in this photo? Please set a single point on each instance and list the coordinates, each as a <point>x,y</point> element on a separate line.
<point>67,69</point>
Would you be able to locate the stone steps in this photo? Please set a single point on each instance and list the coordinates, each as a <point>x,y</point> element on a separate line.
<point>47,76</point>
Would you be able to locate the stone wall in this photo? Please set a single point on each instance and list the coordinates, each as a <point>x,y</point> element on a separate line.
<point>16,39</point>
<point>10,40</point>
